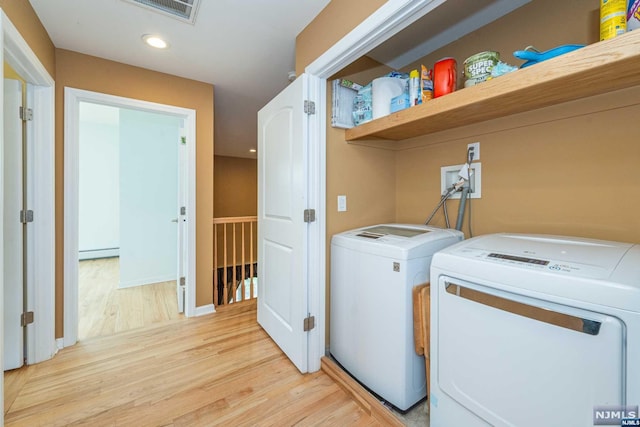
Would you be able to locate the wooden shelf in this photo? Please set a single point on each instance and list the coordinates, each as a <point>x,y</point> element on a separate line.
<point>595,69</point>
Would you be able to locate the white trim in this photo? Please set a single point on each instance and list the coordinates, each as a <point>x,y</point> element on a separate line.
<point>317,230</point>
<point>73,97</point>
<point>190,244</point>
<point>98,253</point>
<point>2,57</point>
<point>70,243</point>
<point>41,193</point>
<point>22,59</point>
<point>204,310</point>
<point>41,233</point>
<point>59,344</point>
<point>391,18</point>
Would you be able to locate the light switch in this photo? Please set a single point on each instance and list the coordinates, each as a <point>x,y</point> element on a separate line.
<point>342,203</point>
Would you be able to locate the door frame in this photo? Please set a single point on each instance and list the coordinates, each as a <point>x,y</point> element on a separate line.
<point>41,344</point>
<point>40,188</point>
<point>72,99</point>
<point>15,240</point>
<point>391,18</point>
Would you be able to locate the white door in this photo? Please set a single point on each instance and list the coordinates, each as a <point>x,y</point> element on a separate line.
<point>148,197</point>
<point>13,228</point>
<point>282,232</point>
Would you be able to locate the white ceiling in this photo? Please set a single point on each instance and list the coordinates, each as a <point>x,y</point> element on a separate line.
<point>244,48</point>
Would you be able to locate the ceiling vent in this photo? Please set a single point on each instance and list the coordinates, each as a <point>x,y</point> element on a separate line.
<point>184,10</point>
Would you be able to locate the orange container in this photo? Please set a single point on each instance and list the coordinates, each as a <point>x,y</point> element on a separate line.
<point>444,77</point>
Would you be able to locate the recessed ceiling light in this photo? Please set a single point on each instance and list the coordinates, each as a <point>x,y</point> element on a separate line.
<point>155,41</point>
<point>252,150</point>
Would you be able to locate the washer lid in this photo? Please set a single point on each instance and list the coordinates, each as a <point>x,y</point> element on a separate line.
<point>378,231</point>
<point>402,241</point>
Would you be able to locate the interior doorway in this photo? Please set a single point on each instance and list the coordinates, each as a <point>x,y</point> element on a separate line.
<point>132,221</point>
<point>129,206</point>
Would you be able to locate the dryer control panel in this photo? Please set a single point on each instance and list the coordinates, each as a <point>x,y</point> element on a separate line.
<point>530,262</point>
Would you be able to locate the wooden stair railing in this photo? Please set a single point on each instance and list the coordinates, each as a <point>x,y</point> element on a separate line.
<point>234,259</point>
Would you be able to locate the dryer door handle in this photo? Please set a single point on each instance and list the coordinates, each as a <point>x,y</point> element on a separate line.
<point>546,315</point>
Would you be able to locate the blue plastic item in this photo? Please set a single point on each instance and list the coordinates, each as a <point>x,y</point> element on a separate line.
<point>532,56</point>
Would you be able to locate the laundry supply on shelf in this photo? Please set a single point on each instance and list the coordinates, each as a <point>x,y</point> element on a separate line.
<point>415,97</point>
<point>613,18</point>
<point>400,102</point>
<point>426,84</point>
<point>444,77</point>
<point>633,15</point>
<point>532,55</point>
<point>384,89</point>
<point>362,106</point>
<point>477,68</point>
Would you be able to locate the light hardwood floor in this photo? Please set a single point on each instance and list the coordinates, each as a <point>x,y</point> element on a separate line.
<point>219,369</point>
<point>104,309</point>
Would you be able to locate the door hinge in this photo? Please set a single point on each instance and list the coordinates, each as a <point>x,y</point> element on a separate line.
<point>26,114</point>
<point>182,281</point>
<point>309,323</point>
<point>26,216</point>
<point>26,318</point>
<point>309,107</point>
<point>183,210</point>
<point>309,215</point>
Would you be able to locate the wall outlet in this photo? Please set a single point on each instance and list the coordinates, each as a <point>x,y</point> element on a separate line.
<point>342,203</point>
<point>475,146</point>
<point>449,176</point>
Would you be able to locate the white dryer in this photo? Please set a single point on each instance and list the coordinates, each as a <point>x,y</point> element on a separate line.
<point>533,330</point>
<point>373,271</point>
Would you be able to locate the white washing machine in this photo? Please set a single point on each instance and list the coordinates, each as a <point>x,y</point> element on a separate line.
<point>373,271</point>
<point>532,330</point>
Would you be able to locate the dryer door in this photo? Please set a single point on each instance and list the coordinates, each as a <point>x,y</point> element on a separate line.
<point>518,361</point>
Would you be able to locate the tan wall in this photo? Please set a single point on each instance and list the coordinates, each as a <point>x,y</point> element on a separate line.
<point>236,194</point>
<point>100,75</point>
<point>235,187</point>
<point>365,175</point>
<point>84,72</point>
<point>10,73</point>
<point>336,20</point>
<point>540,23</point>
<point>565,169</point>
<point>22,15</point>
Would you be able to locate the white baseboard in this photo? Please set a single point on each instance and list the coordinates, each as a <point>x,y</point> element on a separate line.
<point>204,309</point>
<point>59,344</point>
<point>98,253</point>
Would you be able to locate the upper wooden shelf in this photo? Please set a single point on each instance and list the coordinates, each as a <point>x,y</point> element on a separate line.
<point>595,69</point>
